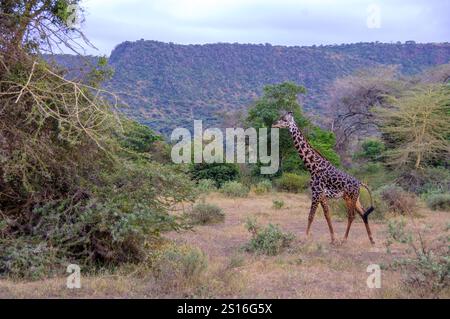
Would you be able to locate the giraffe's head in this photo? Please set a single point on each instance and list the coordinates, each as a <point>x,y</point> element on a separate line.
<point>285,121</point>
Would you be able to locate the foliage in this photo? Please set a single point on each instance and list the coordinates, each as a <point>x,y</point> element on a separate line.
<point>137,137</point>
<point>352,97</point>
<point>41,25</point>
<point>372,150</point>
<point>77,182</point>
<point>423,181</point>
<point>28,258</point>
<point>263,187</point>
<point>177,264</point>
<point>416,129</point>
<point>324,142</point>
<point>276,98</point>
<point>439,201</point>
<point>206,186</point>
<point>110,226</point>
<point>428,269</point>
<point>270,240</point>
<point>397,233</point>
<point>204,214</point>
<point>282,98</point>
<point>374,174</point>
<point>278,203</point>
<point>234,189</point>
<point>397,200</point>
<point>293,183</point>
<point>220,173</point>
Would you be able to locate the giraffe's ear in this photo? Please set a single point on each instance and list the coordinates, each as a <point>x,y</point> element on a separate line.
<point>290,113</point>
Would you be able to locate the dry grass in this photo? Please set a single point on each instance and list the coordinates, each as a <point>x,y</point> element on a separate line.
<point>310,268</point>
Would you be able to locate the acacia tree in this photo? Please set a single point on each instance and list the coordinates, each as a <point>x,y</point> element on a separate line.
<point>416,128</point>
<point>438,74</point>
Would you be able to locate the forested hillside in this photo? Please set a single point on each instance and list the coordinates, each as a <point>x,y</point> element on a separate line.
<point>167,85</point>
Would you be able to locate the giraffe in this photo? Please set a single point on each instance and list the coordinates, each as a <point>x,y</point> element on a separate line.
<point>327,182</point>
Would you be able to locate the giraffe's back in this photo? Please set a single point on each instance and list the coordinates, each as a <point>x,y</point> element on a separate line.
<point>336,183</point>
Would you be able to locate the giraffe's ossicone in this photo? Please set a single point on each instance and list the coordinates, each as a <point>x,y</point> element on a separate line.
<point>327,181</point>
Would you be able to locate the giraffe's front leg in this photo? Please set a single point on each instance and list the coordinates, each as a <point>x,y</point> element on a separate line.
<point>317,194</point>
<point>326,212</point>
<point>312,213</point>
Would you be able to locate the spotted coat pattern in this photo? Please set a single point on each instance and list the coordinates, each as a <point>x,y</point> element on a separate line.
<point>327,181</point>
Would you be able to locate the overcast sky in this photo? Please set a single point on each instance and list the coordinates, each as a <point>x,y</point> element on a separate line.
<point>284,22</point>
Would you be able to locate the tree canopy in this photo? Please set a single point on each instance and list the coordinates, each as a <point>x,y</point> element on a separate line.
<point>416,127</point>
<point>41,25</point>
<point>77,180</point>
<point>277,100</point>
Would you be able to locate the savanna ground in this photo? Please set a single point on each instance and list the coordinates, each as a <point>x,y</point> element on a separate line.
<point>309,268</point>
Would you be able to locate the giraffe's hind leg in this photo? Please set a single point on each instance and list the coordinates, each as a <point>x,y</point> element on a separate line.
<point>360,211</point>
<point>350,216</point>
<point>326,212</point>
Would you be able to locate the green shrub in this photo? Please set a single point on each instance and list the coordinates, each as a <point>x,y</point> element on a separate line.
<point>263,187</point>
<point>278,204</point>
<point>427,270</point>
<point>397,233</point>
<point>235,189</point>
<point>269,241</point>
<point>435,179</point>
<point>206,186</point>
<point>397,200</point>
<point>439,202</point>
<point>178,264</point>
<point>429,192</point>
<point>32,260</point>
<point>110,226</point>
<point>252,225</point>
<point>203,214</point>
<point>293,183</point>
<point>219,173</point>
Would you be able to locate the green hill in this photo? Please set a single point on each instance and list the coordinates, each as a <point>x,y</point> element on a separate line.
<point>168,85</point>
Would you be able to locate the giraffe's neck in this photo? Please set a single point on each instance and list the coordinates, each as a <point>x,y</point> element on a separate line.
<point>313,160</point>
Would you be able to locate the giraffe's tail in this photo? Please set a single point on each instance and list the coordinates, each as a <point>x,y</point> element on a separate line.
<point>371,208</point>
